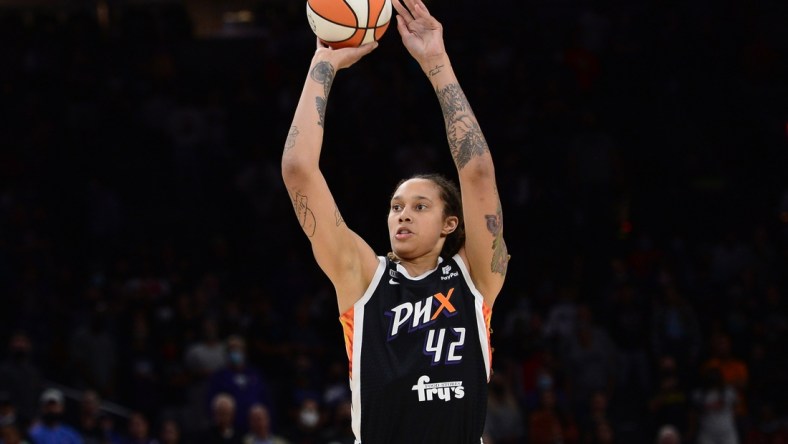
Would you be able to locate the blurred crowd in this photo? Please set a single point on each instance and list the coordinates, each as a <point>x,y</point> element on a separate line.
<point>155,285</point>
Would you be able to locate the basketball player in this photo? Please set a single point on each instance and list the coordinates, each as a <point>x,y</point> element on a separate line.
<point>416,321</point>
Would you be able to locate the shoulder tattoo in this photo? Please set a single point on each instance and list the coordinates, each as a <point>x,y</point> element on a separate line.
<point>500,259</point>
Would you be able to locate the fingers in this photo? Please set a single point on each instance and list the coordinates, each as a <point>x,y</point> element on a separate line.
<point>401,26</point>
<point>366,48</point>
<point>404,13</point>
<point>413,10</point>
<point>352,55</point>
<point>418,9</point>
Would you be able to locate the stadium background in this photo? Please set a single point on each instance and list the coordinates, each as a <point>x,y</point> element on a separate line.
<point>641,159</point>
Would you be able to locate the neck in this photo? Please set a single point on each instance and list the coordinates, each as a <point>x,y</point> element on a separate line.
<point>420,265</point>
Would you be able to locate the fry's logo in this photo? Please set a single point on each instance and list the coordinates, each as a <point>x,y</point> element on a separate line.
<point>445,391</point>
<point>421,313</point>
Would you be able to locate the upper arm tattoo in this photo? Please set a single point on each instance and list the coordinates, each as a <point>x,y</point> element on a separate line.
<point>306,218</point>
<point>291,138</point>
<point>500,259</point>
<point>462,129</point>
<point>323,73</point>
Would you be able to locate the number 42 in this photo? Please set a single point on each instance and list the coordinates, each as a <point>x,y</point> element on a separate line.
<point>434,346</point>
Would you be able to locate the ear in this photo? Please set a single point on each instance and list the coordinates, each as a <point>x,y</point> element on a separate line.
<point>449,225</point>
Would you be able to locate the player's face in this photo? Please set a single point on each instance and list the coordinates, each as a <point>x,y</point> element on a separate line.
<point>416,221</point>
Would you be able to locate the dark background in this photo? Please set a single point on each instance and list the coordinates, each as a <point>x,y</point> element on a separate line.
<point>640,147</point>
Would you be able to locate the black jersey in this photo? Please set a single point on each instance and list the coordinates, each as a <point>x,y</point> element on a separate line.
<point>419,354</point>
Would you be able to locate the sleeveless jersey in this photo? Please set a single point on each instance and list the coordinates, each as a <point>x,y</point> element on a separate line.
<point>419,357</point>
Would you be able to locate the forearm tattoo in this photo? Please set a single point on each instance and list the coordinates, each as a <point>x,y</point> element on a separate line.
<point>338,216</point>
<point>500,260</point>
<point>462,129</point>
<point>322,73</point>
<point>306,218</point>
<point>291,138</point>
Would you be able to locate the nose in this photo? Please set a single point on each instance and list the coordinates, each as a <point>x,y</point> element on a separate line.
<point>404,217</point>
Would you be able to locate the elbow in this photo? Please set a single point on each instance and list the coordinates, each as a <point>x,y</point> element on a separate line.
<point>292,169</point>
<point>480,169</point>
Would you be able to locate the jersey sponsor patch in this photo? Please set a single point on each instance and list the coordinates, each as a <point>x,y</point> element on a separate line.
<point>448,274</point>
<point>432,391</point>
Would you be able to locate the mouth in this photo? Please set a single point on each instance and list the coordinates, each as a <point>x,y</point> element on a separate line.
<point>402,233</point>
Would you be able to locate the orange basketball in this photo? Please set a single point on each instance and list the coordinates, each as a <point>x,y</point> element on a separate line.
<point>348,23</point>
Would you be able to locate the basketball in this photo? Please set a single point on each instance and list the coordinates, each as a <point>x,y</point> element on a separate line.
<point>348,23</point>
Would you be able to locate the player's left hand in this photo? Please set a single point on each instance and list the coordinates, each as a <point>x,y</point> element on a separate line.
<point>421,33</point>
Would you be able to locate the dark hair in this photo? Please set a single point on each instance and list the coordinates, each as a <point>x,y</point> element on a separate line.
<point>452,200</point>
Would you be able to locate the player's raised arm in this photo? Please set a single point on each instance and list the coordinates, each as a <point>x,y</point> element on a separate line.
<point>485,250</point>
<point>345,258</point>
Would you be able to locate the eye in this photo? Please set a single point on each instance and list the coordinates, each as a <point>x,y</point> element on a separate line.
<point>421,207</point>
<point>396,207</point>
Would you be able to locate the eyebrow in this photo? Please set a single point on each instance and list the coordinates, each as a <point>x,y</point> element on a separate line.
<point>398,197</point>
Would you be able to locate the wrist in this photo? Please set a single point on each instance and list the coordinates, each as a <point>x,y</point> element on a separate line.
<point>438,70</point>
<point>321,56</point>
<point>431,65</point>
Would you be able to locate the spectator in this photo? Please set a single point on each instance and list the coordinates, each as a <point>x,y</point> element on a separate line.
<point>138,430</point>
<point>629,319</point>
<point>713,418</point>
<point>591,359</point>
<point>50,427</point>
<point>202,358</point>
<point>768,428</point>
<point>88,418</point>
<point>603,433</point>
<point>550,424</point>
<point>208,354</point>
<point>8,415</point>
<point>238,379</point>
<point>675,329</point>
<point>222,429</point>
<point>734,371</point>
<point>20,378</point>
<point>335,388</point>
<point>668,434</point>
<point>260,427</point>
<point>307,422</point>
<point>93,354</point>
<point>594,425</point>
<point>669,404</point>
<point>340,429</point>
<point>169,432</point>
<point>504,423</point>
<point>10,434</point>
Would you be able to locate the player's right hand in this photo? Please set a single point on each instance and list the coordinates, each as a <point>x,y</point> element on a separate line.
<point>343,57</point>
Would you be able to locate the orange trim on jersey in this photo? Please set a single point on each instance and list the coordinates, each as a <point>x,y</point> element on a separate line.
<point>487,314</point>
<point>347,329</point>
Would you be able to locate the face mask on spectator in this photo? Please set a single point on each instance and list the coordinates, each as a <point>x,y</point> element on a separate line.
<point>237,358</point>
<point>309,417</point>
